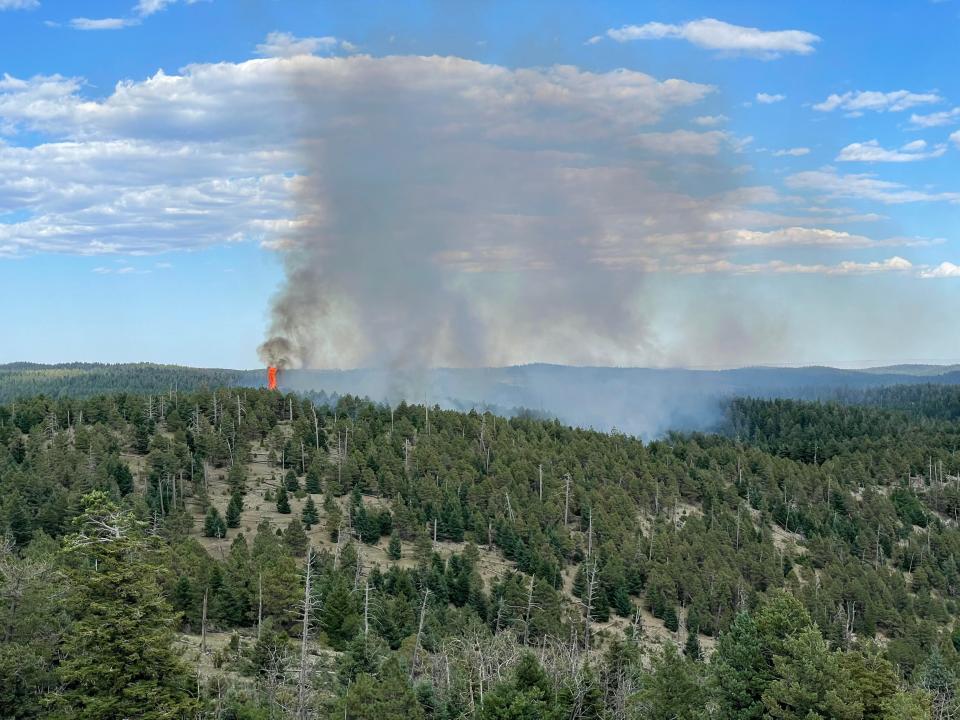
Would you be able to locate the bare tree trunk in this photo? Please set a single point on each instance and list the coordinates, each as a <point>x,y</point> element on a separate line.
<point>203,624</point>
<point>259,603</point>
<point>416,643</point>
<point>366,609</point>
<point>590,587</point>
<point>304,638</point>
<point>526,620</point>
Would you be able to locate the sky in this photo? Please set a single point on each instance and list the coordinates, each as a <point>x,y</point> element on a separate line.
<point>480,183</point>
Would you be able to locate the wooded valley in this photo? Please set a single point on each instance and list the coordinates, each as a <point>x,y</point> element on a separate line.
<point>241,553</point>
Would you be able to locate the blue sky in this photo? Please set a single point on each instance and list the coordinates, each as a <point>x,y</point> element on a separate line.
<point>631,183</point>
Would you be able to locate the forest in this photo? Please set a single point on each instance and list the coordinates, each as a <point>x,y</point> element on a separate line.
<point>239,553</point>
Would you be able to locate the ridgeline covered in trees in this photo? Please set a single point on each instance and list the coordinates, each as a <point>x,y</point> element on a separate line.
<point>241,553</point>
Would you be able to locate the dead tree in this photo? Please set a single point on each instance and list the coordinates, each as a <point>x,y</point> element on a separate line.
<point>416,643</point>
<point>304,639</point>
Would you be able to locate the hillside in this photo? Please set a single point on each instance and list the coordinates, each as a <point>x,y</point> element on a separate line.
<point>446,543</point>
<point>640,401</point>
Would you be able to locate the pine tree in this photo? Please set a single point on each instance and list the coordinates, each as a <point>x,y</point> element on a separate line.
<point>234,508</point>
<point>309,515</point>
<point>290,482</point>
<point>295,538</point>
<point>117,663</point>
<point>339,617</point>
<point>334,517</point>
<point>283,503</point>
<point>739,672</point>
<point>691,647</point>
<point>213,524</point>
<point>314,479</point>
<point>394,549</point>
<point>673,690</point>
<point>387,697</point>
<point>809,682</point>
<point>670,620</point>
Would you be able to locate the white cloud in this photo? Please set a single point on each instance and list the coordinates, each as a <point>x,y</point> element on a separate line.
<point>955,136</point>
<point>871,151</point>
<point>947,117</point>
<point>281,44</point>
<point>145,8</point>
<point>863,186</point>
<point>120,270</point>
<point>856,103</point>
<point>710,120</point>
<point>149,7</point>
<point>767,99</point>
<point>779,267</point>
<point>715,34</point>
<point>792,152</point>
<point>683,142</point>
<point>943,270</point>
<point>215,154</point>
<point>82,23</point>
<point>19,4</point>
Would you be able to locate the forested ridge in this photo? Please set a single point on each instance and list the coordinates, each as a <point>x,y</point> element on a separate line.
<point>23,379</point>
<point>241,553</point>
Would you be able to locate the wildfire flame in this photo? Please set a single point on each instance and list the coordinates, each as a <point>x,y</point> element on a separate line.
<point>272,378</point>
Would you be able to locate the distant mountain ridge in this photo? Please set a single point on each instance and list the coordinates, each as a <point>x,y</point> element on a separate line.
<point>640,401</point>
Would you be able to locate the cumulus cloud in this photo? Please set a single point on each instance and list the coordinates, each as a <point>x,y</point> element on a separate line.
<point>683,142</point>
<point>215,154</point>
<point>847,267</point>
<point>110,23</point>
<point>943,270</point>
<point>767,99</point>
<point>871,151</point>
<point>19,4</point>
<point>863,186</point>
<point>710,120</point>
<point>792,152</point>
<point>713,34</point>
<point>143,9</point>
<point>856,103</point>
<point>281,44</point>
<point>955,136</point>
<point>938,119</point>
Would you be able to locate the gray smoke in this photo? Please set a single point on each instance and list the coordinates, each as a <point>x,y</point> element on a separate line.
<point>458,214</point>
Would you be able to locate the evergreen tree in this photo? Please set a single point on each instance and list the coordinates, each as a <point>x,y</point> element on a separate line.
<point>117,663</point>
<point>673,689</point>
<point>387,697</point>
<point>234,508</point>
<point>691,647</point>
<point>283,503</point>
<point>295,538</point>
<point>739,672</point>
<point>394,548</point>
<point>808,682</point>
<point>313,484</point>
<point>213,524</point>
<point>310,515</point>
<point>339,617</point>
<point>670,619</point>
<point>290,481</point>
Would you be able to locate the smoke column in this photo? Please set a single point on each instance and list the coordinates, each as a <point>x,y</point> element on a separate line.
<point>461,214</point>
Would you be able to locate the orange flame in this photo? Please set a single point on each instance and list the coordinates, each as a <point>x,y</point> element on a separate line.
<point>272,378</point>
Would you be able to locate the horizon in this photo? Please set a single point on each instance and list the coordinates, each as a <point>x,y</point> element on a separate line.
<point>815,365</point>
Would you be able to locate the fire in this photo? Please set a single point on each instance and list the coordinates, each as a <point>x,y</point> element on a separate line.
<point>272,378</point>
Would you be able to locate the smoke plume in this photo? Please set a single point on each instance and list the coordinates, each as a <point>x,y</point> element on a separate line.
<point>451,212</point>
